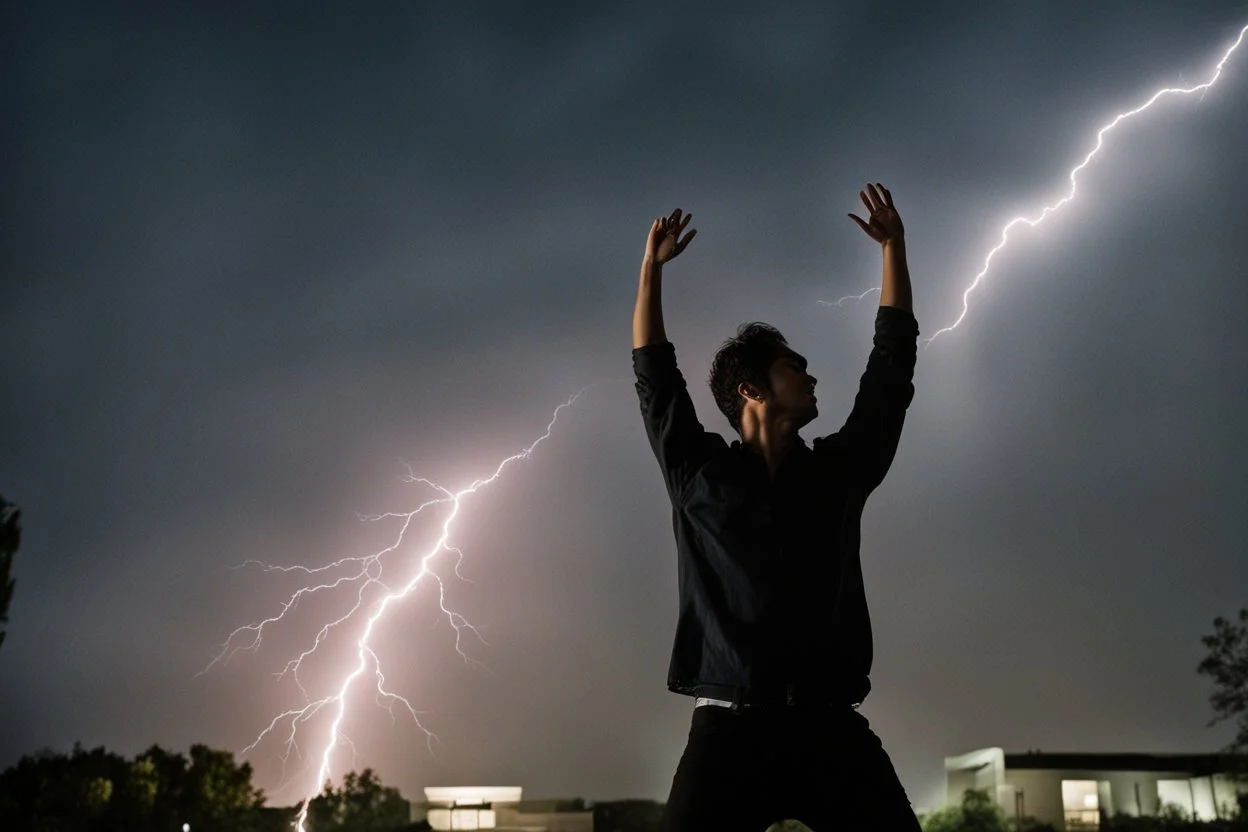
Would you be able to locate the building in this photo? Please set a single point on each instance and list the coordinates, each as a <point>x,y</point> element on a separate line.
<point>500,808</point>
<point>1075,791</point>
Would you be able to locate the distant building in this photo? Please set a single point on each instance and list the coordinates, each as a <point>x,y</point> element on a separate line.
<point>500,808</point>
<point>1075,791</point>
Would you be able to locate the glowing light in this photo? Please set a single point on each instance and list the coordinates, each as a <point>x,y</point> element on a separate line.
<point>365,572</point>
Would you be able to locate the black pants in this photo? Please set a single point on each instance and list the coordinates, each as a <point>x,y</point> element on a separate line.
<point>746,769</point>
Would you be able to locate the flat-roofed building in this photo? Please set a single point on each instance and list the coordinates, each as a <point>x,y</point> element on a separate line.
<point>1074,791</point>
<point>500,808</point>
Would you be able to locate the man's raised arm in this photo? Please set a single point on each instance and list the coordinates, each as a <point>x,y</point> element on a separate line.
<point>873,429</point>
<point>676,437</point>
<point>884,226</point>
<point>662,245</point>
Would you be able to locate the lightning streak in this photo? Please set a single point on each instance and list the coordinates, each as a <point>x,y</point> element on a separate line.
<point>841,302</point>
<point>1073,175</point>
<point>1070,195</point>
<point>367,571</point>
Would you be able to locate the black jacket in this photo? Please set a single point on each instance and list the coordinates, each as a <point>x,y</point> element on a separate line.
<point>771,591</point>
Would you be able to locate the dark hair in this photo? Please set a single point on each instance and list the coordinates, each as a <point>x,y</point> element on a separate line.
<point>745,358</point>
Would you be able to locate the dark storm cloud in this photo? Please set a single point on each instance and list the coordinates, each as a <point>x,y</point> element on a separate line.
<point>258,257</point>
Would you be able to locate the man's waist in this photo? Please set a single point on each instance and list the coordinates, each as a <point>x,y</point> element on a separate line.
<point>792,695</point>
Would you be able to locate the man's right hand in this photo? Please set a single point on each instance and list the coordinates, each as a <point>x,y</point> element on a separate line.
<point>664,242</point>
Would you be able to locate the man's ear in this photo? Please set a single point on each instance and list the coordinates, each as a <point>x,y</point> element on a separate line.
<point>750,391</point>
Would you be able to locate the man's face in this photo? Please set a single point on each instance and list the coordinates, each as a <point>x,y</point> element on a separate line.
<point>792,388</point>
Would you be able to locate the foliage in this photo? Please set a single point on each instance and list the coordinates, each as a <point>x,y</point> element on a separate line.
<point>627,816</point>
<point>157,790</point>
<point>363,804</point>
<point>1032,825</point>
<point>10,539</point>
<point>1171,819</point>
<point>1227,665</point>
<point>977,813</point>
<point>160,790</point>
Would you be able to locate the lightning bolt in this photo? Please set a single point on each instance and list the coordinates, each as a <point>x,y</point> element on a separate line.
<point>1048,210</point>
<point>365,572</point>
<point>841,303</point>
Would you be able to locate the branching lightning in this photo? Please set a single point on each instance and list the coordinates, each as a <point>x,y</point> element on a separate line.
<point>364,572</point>
<point>841,302</point>
<point>1073,177</point>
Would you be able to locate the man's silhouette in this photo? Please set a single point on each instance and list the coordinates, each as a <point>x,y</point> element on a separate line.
<point>773,636</point>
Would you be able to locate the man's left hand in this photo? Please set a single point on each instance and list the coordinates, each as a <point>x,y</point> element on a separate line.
<point>884,225</point>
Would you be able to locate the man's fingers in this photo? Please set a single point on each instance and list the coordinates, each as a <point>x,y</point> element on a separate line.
<point>685,221</point>
<point>681,245</point>
<point>863,225</point>
<point>888,197</point>
<point>875,196</point>
<point>866,200</point>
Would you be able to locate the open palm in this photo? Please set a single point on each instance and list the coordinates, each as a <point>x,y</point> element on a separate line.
<point>883,223</point>
<point>664,242</point>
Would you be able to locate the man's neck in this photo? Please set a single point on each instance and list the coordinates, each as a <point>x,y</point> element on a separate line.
<point>772,439</point>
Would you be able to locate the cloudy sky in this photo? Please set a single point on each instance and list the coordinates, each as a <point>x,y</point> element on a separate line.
<point>259,261</point>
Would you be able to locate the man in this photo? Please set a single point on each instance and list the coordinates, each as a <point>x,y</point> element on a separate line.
<point>773,636</point>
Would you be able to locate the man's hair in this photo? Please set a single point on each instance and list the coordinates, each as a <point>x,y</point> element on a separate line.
<point>744,358</point>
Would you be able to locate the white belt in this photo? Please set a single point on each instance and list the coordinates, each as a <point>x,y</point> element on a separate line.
<point>724,703</point>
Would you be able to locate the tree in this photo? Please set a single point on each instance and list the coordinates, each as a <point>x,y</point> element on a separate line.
<point>1170,819</point>
<point>97,790</point>
<point>219,794</point>
<point>10,539</point>
<point>978,813</point>
<point>363,804</point>
<point>1227,665</point>
<point>65,793</point>
<point>627,816</point>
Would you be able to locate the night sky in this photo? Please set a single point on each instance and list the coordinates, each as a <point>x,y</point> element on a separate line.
<point>257,261</point>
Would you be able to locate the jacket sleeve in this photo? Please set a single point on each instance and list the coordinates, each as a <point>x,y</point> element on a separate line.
<point>677,438</point>
<point>869,438</point>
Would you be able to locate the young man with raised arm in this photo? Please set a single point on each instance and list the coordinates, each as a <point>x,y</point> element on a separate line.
<point>773,638</point>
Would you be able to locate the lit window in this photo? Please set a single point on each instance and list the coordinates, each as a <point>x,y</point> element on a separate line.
<point>1082,808</point>
<point>464,819</point>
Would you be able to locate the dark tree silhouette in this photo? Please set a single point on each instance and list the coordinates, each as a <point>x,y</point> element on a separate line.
<point>627,816</point>
<point>979,813</point>
<point>10,539</point>
<point>1227,665</point>
<point>97,790</point>
<point>363,804</point>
